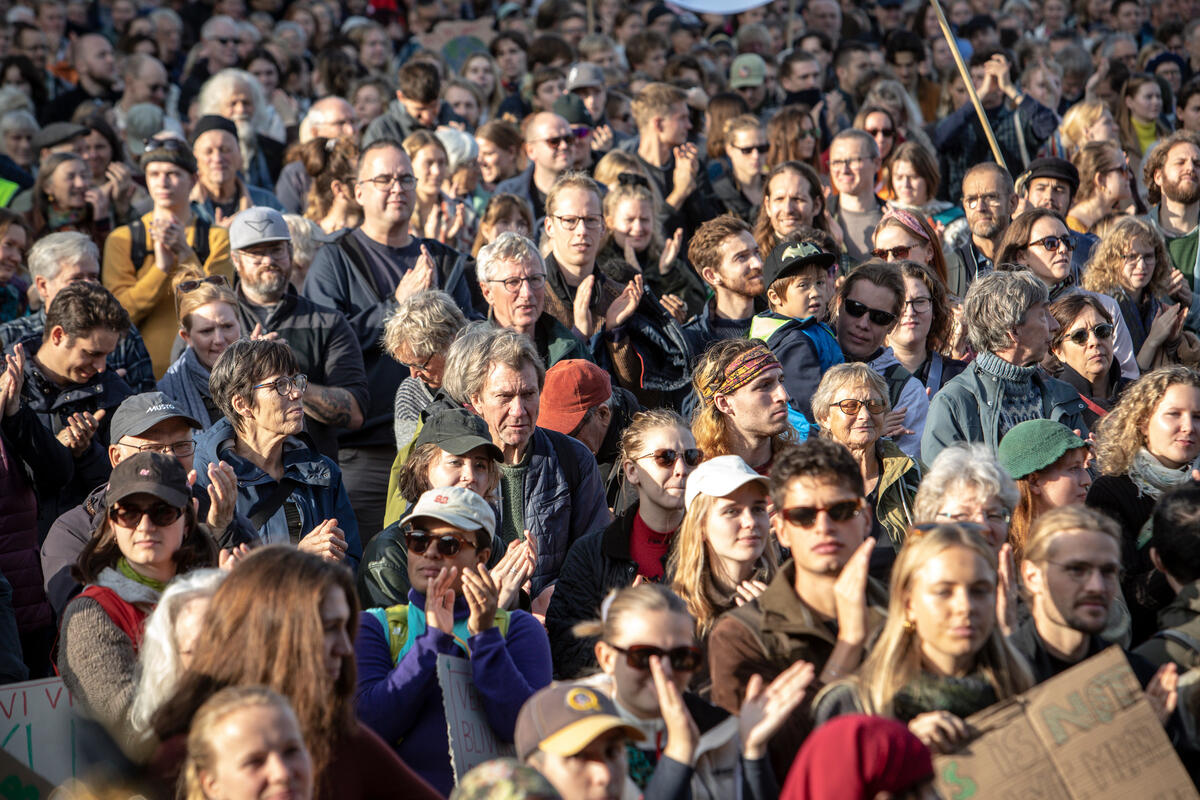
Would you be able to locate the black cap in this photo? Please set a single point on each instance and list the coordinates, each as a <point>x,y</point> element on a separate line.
<point>458,431</point>
<point>1057,168</point>
<point>570,107</point>
<point>57,133</point>
<point>788,258</point>
<point>212,122</point>
<point>140,412</point>
<point>152,474</point>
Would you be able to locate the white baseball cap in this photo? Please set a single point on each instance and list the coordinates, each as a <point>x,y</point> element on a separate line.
<point>456,506</point>
<point>721,477</point>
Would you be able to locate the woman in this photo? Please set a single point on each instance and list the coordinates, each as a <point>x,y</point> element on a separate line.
<point>941,656</point>
<point>263,66</point>
<point>64,199</point>
<point>481,70</point>
<point>288,491</point>
<point>658,454</point>
<point>1146,445</point>
<point>926,328</point>
<point>849,405</point>
<point>1083,346</point>
<point>912,180</point>
<point>903,235</point>
<point>436,215</point>
<point>1038,240</point>
<point>722,107</point>
<point>1104,185</point>
<point>370,97</point>
<point>452,609</point>
<point>208,323</point>
<point>464,97</point>
<point>966,483</point>
<point>14,279</point>
<point>19,71</point>
<point>17,129</point>
<point>332,166</point>
<point>500,148</point>
<point>1087,121</point>
<point>105,156</point>
<point>283,619</point>
<point>792,198</point>
<point>147,536</point>
<point>724,554</point>
<point>880,125</point>
<point>245,742</point>
<point>504,212</point>
<point>1139,112</point>
<point>792,135</point>
<point>740,189</point>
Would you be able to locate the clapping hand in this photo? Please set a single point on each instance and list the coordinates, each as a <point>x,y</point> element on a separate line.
<point>439,600</point>
<point>417,279</point>
<point>764,710</point>
<point>682,733</point>
<point>513,570</point>
<point>670,252</point>
<point>483,598</point>
<point>12,380</point>
<point>77,434</point>
<point>326,540</point>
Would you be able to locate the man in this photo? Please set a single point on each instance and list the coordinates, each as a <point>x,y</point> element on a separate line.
<point>96,68</point>
<point>888,17</point>
<point>867,307</point>
<point>548,144</point>
<point>68,387</point>
<point>725,254</point>
<point>960,142</point>
<point>142,258</point>
<point>329,118</point>
<point>1174,551</point>
<point>850,63</point>
<point>363,274</point>
<point>821,607</point>
<point>146,81</point>
<point>989,201</point>
<point>747,77</point>
<point>906,55</point>
<point>30,41</point>
<point>1172,175</point>
<point>742,404</point>
<point>236,96</point>
<point>1008,326</point>
<point>800,77</point>
<point>218,51</point>
<point>168,35</point>
<point>853,163</point>
<point>325,347</point>
<point>143,422</point>
<point>550,486</point>
<point>512,279</point>
<point>418,105</point>
<point>571,108</point>
<point>824,17</point>
<point>586,81</point>
<point>647,52</point>
<point>220,191</point>
<point>56,261</point>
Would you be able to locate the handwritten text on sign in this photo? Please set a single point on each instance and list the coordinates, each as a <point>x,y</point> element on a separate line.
<point>36,727</point>
<point>472,740</point>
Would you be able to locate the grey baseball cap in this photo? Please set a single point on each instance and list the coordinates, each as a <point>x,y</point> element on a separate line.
<point>584,75</point>
<point>141,412</point>
<point>257,225</point>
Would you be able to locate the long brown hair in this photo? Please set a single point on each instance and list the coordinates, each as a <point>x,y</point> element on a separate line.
<point>764,234</point>
<point>327,161</point>
<point>783,136</point>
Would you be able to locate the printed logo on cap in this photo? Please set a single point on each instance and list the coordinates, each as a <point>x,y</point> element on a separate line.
<point>800,250</point>
<point>145,473</point>
<point>583,700</point>
<point>259,225</point>
<point>441,498</point>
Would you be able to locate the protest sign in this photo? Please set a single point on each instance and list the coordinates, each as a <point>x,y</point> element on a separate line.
<point>482,29</point>
<point>1087,733</point>
<point>19,781</point>
<point>37,728</point>
<point>472,740</point>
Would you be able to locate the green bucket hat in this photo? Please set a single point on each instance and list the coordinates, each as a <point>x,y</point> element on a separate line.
<point>1034,445</point>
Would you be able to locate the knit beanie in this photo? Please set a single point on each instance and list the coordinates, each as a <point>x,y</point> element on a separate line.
<point>1035,445</point>
<point>857,756</point>
<point>170,151</point>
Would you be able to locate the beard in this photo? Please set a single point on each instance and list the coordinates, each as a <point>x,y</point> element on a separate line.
<point>270,284</point>
<point>1179,192</point>
<point>247,141</point>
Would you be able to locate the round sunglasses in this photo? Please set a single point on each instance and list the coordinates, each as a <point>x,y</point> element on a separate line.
<point>1103,332</point>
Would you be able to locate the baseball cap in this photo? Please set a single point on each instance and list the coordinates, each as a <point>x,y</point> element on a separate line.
<point>140,412</point>
<point>1034,445</point>
<point>141,122</point>
<point>149,473</point>
<point>572,387</point>
<point>721,477</point>
<point>585,75</point>
<point>504,779</point>
<point>571,108</point>
<point>57,133</point>
<point>564,718</point>
<point>458,431</point>
<point>1057,168</point>
<point>257,225</point>
<point>748,69</point>
<point>788,258</point>
<point>456,506</point>
<point>212,122</point>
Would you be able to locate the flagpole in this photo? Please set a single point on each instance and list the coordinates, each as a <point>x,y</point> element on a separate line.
<point>966,76</point>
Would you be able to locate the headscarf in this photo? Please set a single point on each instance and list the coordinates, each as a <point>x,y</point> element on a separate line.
<point>857,756</point>
<point>907,220</point>
<point>743,369</point>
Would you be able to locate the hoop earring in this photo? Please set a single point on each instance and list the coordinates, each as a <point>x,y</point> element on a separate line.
<point>910,627</point>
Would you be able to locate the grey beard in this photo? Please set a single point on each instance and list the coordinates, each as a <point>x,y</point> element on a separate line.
<point>247,142</point>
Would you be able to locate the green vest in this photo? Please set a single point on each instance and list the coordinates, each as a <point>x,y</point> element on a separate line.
<point>763,327</point>
<point>405,622</point>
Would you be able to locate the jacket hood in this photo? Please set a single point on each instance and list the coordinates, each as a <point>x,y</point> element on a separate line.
<point>301,461</point>
<point>127,589</point>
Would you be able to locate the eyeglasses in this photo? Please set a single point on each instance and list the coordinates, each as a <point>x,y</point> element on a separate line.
<point>277,250</point>
<point>181,449</point>
<point>284,385</point>
<point>556,142</point>
<point>191,286</point>
<point>1080,571</point>
<point>683,659</point>
<point>418,367</point>
<point>919,304</point>
<point>899,252</point>
<point>160,514</point>
<point>878,315</point>
<point>1149,259</point>
<point>850,407</point>
<point>848,163</point>
<point>384,183</point>
<point>887,132</point>
<point>169,143</point>
<point>513,285</point>
<point>973,201</point>
<point>667,457</point>
<point>418,541</point>
<point>761,149</point>
<point>806,516</point>
<point>570,223</point>
<point>1051,243</point>
<point>224,41</point>
<point>1103,332</point>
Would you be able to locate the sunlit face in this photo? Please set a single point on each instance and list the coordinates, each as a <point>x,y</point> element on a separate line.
<point>807,295</point>
<point>747,151</point>
<point>272,412</point>
<point>859,337</point>
<point>429,167</point>
<point>578,247</point>
<point>471,470</point>
<point>632,221</point>
<point>509,401</point>
<point>479,72</point>
<point>519,310</point>
<point>68,185</point>
<point>634,688</point>
<point>858,431</point>
<point>1063,483</point>
<point>659,484</point>
<point>1189,113</point>
<point>511,59</point>
<point>189,622</point>
<point>259,752</point>
<point>1104,129</point>
<point>149,548</point>
<point>741,267</point>
<point>910,186</point>
<point>213,327</point>
<point>952,604</point>
<point>892,236</point>
<point>1137,268</point>
<point>464,104</point>
<point>852,165</point>
<point>335,621</point>
<point>789,203</point>
<point>917,316</point>
<point>1172,434</point>
<point>1146,103</point>
<point>1075,584</point>
<point>218,158</point>
<point>18,145</point>
<point>737,526</point>
<point>81,358</point>
<point>759,409</point>
<point>424,567</point>
<point>169,185</point>
<point>392,206</point>
<point>907,67</point>
<point>368,104</point>
<point>597,772</point>
<point>1051,266</point>
<point>547,92</point>
<point>13,243</point>
<point>1092,359</point>
<point>970,504</point>
<point>549,142</point>
<point>824,547</point>
<point>881,129</point>
<point>495,163</point>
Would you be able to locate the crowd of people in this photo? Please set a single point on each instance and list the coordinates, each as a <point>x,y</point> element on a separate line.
<point>714,389</point>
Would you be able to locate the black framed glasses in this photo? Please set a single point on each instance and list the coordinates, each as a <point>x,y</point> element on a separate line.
<point>806,516</point>
<point>418,367</point>
<point>900,252</point>
<point>682,659</point>
<point>1051,243</point>
<point>877,315</point>
<point>191,286</point>
<point>668,456</point>
<point>761,149</point>
<point>384,183</point>
<point>180,449</point>
<point>919,304</point>
<point>418,542</point>
<point>572,222</point>
<point>513,285</point>
<point>285,384</point>
<point>130,516</point>
<point>875,132</point>
<point>850,406</point>
<point>1103,331</point>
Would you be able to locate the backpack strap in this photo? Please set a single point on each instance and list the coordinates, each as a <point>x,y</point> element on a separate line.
<point>897,378</point>
<point>137,243</point>
<point>1179,637</point>
<point>266,508</point>
<point>125,616</point>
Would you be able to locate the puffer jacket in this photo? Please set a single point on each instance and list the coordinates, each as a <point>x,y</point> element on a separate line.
<point>319,494</point>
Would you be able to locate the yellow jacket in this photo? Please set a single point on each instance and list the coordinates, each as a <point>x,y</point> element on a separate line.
<point>145,290</point>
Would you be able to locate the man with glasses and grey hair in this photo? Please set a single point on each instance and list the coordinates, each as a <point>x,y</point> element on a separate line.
<point>548,140</point>
<point>218,51</point>
<point>1008,326</point>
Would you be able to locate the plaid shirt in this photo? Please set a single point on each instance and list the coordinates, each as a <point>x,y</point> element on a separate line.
<point>130,354</point>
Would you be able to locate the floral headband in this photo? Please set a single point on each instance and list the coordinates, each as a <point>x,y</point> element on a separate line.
<point>907,219</point>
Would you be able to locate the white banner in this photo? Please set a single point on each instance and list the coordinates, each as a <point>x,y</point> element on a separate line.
<point>37,728</point>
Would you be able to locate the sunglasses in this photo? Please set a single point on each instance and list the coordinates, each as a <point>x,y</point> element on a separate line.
<point>667,457</point>
<point>556,142</point>
<point>160,514</point>
<point>850,407</point>
<point>900,252</point>
<point>1052,243</point>
<point>888,132</point>
<point>878,315</point>
<point>806,516</point>
<point>761,149</point>
<point>683,659</point>
<point>191,286</point>
<point>418,542</point>
<point>581,131</point>
<point>1103,331</point>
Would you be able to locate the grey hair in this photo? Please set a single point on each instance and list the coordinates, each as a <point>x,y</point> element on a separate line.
<point>862,136</point>
<point>426,323</point>
<point>837,377</point>
<point>252,29</point>
<point>303,232</point>
<point>508,247</point>
<point>159,665</point>
<point>288,25</point>
<point>51,253</point>
<point>996,304</point>
<point>221,85</point>
<point>19,120</point>
<point>206,31</point>
<point>13,99</point>
<point>969,467</point>
<point>161,14</point>
<point>477,348</point>
<point>1110,41</point>
<point>317,115</point>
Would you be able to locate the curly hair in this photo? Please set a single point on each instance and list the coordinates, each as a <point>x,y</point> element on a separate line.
<point>1119,435</point>
<point>1157,157</point>
<point>1104,271</point>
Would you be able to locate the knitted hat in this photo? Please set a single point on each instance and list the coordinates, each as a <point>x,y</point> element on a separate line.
<point>1034,445</point>
<point>858,756</point>
<point>171,151</point>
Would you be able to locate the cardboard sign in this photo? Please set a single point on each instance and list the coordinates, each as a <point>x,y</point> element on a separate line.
<point>472,740</point>
<point>1087,733</point>
<point>37,727</point>
<point>18,780</point>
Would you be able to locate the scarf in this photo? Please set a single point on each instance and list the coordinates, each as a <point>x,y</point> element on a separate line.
<point>126,569</point>
<point>960,696</point>
<point>186,382</point>
<point>1152,478</point>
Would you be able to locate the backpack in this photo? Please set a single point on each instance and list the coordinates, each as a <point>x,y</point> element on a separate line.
<point>897,377</point>
<point>137,242</point>
<point>399,621</point>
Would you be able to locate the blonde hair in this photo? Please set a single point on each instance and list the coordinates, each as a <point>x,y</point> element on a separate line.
<point>633,438</point>
<point>742,122</point>
<point>1104,271</point>
<point>616,162</point>
<point>619,603</point>
<point>1077,120</point>
<point>709,426</point>
<point>655,100</point>
<point>1119,434</point>
<point>570,180</point>
<point>186,303</point>
<point>1068,518</point>
<point>622,192</point>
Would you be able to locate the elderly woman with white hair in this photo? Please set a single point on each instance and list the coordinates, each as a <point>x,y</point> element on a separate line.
<point>238,96</point>
<point>17,129</point>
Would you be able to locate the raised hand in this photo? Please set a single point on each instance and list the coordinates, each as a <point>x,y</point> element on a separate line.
<point>687,167</point>
<point>513,570</point>
<point>764,710</point>
<point>940,731</point>
<point>670,252</point>
<point>227,559</point>
<point>1163,691</point>
<point>674,306</point>
<point>77,434</point>
<point>483,598</point>
<point>326,540</point>
<point>12,380</point>
<point>222,496</point>
<point>893,423</point>
<point>630,254</point>
<point>747,590</point>
<point>850,595</point>
<point>417,279</point>
<point>602,139</point>
<point>439,600</point>
<point>257,333</point>
<point>682,733</point>
<point>1006,591</point>
<point>620,310</point>
<point>585,320</point>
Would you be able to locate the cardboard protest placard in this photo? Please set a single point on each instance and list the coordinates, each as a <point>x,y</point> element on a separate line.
<point>37,728</point>
<point>472,740</point>
<point>18,780</point>
<point>1086,733</point>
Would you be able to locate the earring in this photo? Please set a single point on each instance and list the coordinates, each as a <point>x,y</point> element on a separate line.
<point>910,627</point>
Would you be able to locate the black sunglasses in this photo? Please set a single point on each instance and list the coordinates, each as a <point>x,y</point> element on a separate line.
<point>899,252</point>
<point>418,542</point>
<point>1103,331</point>
<point>806,516</point>
<point>683,659</point>
<point>668,456</point>
<point>161,515</point>
<point>878,315</point>
<point>191,286</point>
<point>1052,243</point>
<point>754,148</point>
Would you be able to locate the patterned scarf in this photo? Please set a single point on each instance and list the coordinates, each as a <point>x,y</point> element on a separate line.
<point>743,369</point>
